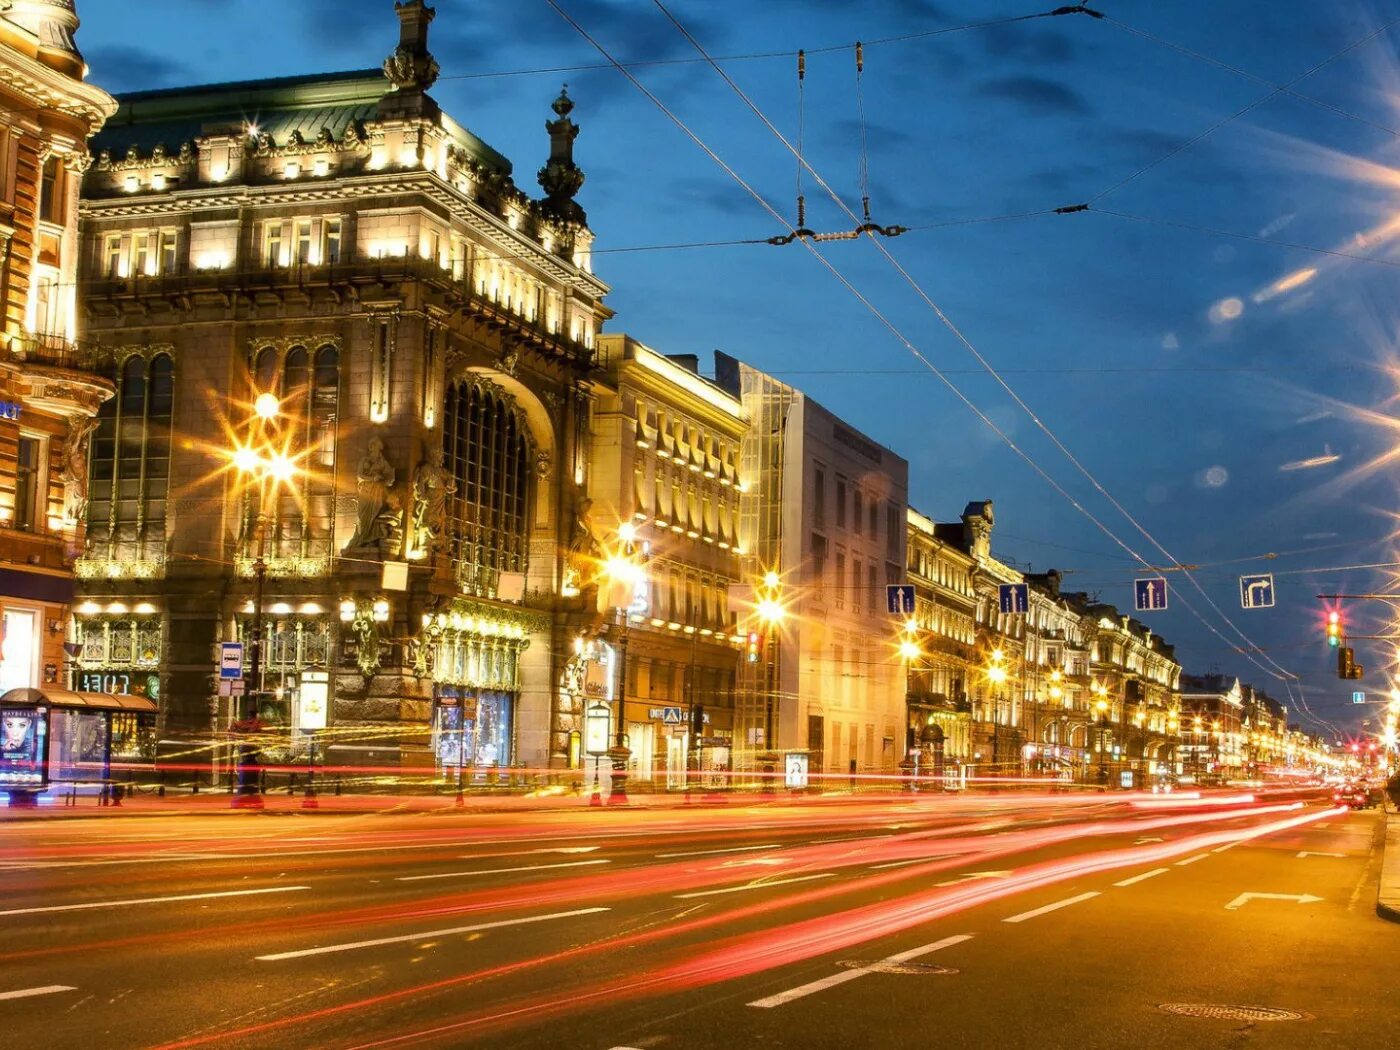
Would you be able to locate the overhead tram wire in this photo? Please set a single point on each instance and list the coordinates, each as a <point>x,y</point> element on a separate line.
<point>1278,89</point>
<point>885,321</point>
<point>1280,672</point>
<point>899,38</point>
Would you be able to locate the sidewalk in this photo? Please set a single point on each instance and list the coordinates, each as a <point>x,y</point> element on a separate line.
<point>1388,897</point>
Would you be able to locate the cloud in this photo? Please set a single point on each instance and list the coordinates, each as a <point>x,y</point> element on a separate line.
<point>1036,95</point>
<point>1171,342</point>
<point>1023,44</point>
<point>128,67</point>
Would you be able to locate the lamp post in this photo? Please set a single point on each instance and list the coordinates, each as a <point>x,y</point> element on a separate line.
<point>627,572</point>
<point>909,651</point>
<point>1101,706</point>
<point>1056,693</point>
<point>263,464</point>
<point>996,676</point>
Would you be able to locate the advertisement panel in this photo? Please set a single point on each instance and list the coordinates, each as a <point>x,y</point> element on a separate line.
<point>23,734</point>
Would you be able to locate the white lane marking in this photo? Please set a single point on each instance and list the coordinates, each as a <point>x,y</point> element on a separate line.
<point>753,886</point>
<point>973,875</point>
<point>1228,845</point>
<point>1192,860</point>
<point>1327,825</point>
<point>152,900</point>
<point>1145,875</point>
<point>1297,898</point>
<point>902,863</point>
<point>709,852</point>
<point>1052,907</point>
<point>48,989</point>
<point>850,975</point>
<point>1310,853</point>
<point>500,871</point>
<point>425,934</point>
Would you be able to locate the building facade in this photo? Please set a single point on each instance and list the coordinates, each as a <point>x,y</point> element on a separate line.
<point>354,364</point>
<point>826,513</point>
<point>49,392</point>
<point>665,477</point>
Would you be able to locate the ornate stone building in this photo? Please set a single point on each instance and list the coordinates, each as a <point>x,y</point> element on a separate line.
<point>665,454</point>
<point>48,391</point>
<point>356,359</point>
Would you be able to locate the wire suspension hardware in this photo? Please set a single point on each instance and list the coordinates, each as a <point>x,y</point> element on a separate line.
<point>862,168</point>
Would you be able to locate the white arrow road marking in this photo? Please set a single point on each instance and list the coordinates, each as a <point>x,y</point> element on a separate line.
<point>500,871</point>
<point>1052,907</point>
<point>1297,898</point>
<point>152,900</point>
<point>754,886</point>
<point>850,975</point>
<point>1145,875</point>
<point>426,934</point>
<point>975,875</point>
<point>1310,853</point>
<point>48,989</point>
<point>1146,839</point>
<point>757,862</point>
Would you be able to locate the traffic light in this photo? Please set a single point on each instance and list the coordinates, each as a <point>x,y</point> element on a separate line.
<point>697,722</point>
<point>754,646</point>
<point>1347,667</point>
<point>1334,629</point>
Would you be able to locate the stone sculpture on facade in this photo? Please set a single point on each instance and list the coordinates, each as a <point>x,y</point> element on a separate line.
<point>561,177</point>
<point>432,488</point>
<point>373,480</point>
<point>75,469</point>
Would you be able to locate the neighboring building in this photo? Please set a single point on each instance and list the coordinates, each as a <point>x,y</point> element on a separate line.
<point>48,390</point>
<point>826,511</point>
<point>428,333</point>
<point>1059,689</point>
<point>665,468</point>
<point>939,712</point>
<point>1212,718</point>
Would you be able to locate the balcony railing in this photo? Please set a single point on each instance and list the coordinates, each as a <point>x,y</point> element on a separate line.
<point>56,351</point>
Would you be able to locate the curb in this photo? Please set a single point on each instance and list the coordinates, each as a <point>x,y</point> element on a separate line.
<point>1388,905</point>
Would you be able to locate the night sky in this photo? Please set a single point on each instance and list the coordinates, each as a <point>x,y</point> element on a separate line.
<point>1233,395</point>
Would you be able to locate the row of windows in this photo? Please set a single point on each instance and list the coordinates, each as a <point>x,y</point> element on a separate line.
<point>680,497</point>
<point>129,465</point>
<point>939,570</point>
<point>856,511</point>
<point>687,598</point>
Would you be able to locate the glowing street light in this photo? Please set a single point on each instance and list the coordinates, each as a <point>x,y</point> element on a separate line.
<point>267,406</point>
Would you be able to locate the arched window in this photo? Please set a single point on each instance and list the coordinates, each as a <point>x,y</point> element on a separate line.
<point>309,394</point>
<point>129,462</point>
<point>265,371</point>
<point>486,450</point>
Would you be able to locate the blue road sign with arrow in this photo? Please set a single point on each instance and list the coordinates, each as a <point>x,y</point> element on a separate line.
<point>1150,594</point>
<point>1257,592</point>
<point>1015,598</point>
<point>899,599</point>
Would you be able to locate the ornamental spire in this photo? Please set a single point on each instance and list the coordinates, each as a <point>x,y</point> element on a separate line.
<point>412,67</point>
<point>561,178</point>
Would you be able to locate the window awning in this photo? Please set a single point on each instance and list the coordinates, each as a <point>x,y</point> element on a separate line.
<point>52,696</point>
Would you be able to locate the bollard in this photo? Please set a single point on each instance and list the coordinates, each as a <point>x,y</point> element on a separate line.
<point>116,794</point>
<point>337,787</point>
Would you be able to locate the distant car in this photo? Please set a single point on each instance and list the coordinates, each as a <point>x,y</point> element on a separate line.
<point>1352,796</point>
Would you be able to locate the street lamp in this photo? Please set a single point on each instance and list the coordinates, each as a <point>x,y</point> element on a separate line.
<point>1101,706</point>
<point>996,676</point>
<point>770,612</point>
<point>626,570</point>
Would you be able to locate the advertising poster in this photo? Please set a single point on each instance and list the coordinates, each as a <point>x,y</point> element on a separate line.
<point>22,734</point>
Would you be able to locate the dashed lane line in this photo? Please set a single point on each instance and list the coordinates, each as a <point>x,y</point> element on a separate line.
<point>1192,860</point>
<point>500,871</point>
<point>90,905</point>
<point>754,886</point>
<point>835,979</point>
<point>711,852</point>
<point>48,989</point>
<point>1143,877</point>
<point>1052,907</point>
<point>330,949</point>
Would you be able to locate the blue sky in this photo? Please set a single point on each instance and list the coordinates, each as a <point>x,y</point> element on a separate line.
<point>1184,368</point>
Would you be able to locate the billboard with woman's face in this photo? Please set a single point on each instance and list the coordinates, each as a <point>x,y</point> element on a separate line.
<point>22,733</point>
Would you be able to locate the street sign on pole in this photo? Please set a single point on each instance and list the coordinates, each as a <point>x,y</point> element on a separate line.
<point>1015,598</point>
<point>1358,697</point>
<point>1150,594</point>
<point>231,660</point>
<point>1257,591</point>
<point>899,599</point>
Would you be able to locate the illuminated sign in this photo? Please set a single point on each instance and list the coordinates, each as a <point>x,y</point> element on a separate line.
<point>9,410</point>
<point>104,682</point>
<point>313,700</point>
<point>795,772</point>
<point>22,736</point>
<point>595,726</point>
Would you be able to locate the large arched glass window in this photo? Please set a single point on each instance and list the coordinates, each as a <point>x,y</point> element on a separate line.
<point>309,394</point>
<point>487,452</point>
<point>129,462</point>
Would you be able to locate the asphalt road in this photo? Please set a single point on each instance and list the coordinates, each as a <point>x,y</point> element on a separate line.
<point>1000,922</point>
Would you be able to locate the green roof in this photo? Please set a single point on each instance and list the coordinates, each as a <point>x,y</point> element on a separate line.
<point>278,107</point>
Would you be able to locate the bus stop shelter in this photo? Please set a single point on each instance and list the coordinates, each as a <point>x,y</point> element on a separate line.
<point>55,735</point>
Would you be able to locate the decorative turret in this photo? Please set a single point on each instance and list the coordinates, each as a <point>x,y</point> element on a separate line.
<point>53,22</point>
<point>561,178</point>
<point>412,67</point>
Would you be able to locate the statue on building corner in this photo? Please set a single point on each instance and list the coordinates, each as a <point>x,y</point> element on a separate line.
<point>75,469</point>
<point>432,487</point>
<point>584,551</point>
<point>373,480</point>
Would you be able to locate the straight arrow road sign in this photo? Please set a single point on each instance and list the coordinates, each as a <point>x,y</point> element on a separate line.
<point>1244,898</point>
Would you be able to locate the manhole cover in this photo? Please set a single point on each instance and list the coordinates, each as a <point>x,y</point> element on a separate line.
<point>1219,1012</point>
<point>888,966</point>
